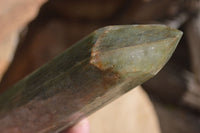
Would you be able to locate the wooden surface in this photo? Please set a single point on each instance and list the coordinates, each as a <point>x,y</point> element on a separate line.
<point>131,113</point>
<point>192,96</point>
<point>14,16</point>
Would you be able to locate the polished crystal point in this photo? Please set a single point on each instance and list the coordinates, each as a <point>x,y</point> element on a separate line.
<point>96,70</point>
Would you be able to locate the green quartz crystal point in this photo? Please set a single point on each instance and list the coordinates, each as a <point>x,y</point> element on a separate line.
<point>95,71</point>
<point>134,50</point>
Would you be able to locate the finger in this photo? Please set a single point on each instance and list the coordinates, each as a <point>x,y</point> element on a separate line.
<point>81,127</point>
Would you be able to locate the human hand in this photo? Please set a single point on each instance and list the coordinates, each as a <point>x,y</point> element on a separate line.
<point>81,127</point>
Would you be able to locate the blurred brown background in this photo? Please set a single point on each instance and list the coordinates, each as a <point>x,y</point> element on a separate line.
<point>34,31</point>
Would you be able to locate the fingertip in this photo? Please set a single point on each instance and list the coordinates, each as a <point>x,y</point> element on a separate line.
<point>81,127</point>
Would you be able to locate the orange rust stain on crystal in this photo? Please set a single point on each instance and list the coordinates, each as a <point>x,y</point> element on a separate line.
<point>95,60</point>
<point>109,78</point>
